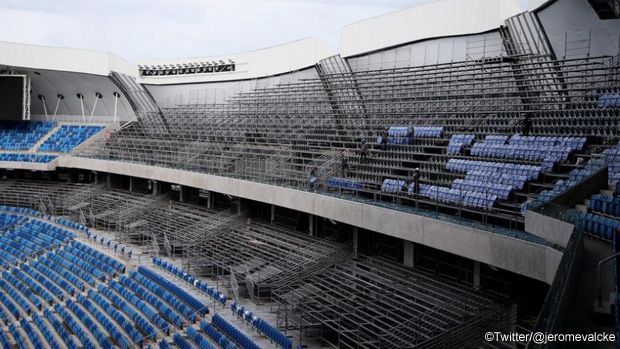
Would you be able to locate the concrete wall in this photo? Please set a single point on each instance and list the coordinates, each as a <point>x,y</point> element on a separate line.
<point>568,25</point>
<point>441,50</point>
<point>62,59</point>
<point>550,229</point>
<point>219,92</point>
<point>516,255</point>
<point>432,20</point>
<point>288,57</point>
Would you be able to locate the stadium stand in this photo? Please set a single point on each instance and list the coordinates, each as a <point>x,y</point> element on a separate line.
<point>473,150</point>
<point>39,295</point>
<point>68,137</point>
<point>23,135</point>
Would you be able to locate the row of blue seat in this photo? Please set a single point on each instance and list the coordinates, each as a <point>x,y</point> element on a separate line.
<point>126,324</point>
<point>466,198</point>
<point>23,135</point>
<point>22,343</point>
<point>609,100</point>
<point>216,335</point>
<point>51,291</point>
<point>61,262</point>
<point>60,329</point>
<point>458,142</point>
<point>61,276</point>
<point>598,225</point>
<point>461,165</point>
<point>172,315</point>
<point>17,297</point>
<point>131,297</point>
<point>392,185</point>
<point>92,327</point>
<point>24,289</point>
<point>116,334</point>
<point>605,204</point>
<point>181,342</point>
<point>95,261</point>
<point>68,137</point>
<point>140,322</point>
<point>72,224</point>
<point>77,329</point>
<point>10,306</point>
<point>45,331</point>
<point>199,339</point>
<point>25,211</point>
<point>495,139</point>
<point>8,220</point>
<point>576,143</point>
<point>515,181</point>
<point>23,157</point>
<point>575,177</point>
<point>404,134</point>
<point>199,284</point>
<point>75,260</point>
<point>237,336</point>
<point>170,298</point>
<point>502,191</point>
<point>548,155</point>
<point>198,306</point>
<point>120,267</point>
<point>31,334</point>
<point>275,335</point>
<point>344,183</point>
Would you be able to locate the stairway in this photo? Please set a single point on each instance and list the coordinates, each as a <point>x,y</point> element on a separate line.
<point>44,138</point>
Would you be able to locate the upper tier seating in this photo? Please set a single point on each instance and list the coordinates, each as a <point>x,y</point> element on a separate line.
<point>23,135</point>
<point>575,177</point>
<point>458,141</point>
<point>550,150</point>
<point>68,137</point>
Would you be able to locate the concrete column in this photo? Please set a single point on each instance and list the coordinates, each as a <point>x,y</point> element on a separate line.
<point>272,213</point>
<point>311,225</point>
<point>408,254</point>
<point>476,274</point>
<point>355,243</point>
<point>210,200</point>
<point>108,180</point>
<point>155,187</point>
<point>131,184</point>
<point>181,196</point>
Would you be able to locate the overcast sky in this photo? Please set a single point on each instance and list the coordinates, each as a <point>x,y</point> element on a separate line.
<point>153,29</point>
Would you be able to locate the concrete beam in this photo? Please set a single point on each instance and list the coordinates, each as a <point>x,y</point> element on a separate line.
<point>519,256</point>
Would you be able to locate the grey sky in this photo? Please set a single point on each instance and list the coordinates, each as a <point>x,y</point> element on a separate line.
<point>147,29</point>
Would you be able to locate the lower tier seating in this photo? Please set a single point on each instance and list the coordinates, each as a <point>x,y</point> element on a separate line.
<point>22,157</point>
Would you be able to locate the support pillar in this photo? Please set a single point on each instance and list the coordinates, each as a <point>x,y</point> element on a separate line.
<point>108,180</point>
<point>155,187</point>
<point>181,196</point>
<point>311,225</point>
<point>131,184</point>
<point>354,248</point>
<point>408,254</point>
<point>476,274</point>
<point>272,213</point>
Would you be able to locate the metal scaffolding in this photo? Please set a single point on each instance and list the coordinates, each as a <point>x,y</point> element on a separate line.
<point>371,303</point>
<point>276,135</point>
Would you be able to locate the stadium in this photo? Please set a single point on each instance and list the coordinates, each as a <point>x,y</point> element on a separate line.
<point>452,171</point>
